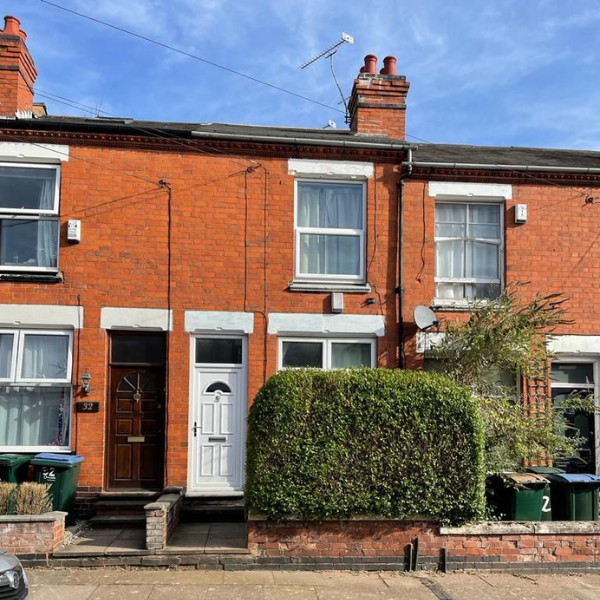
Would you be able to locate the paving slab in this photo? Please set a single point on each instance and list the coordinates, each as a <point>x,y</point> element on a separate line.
<point>119,592</point>
<point>188,541</point>
<point>349,592</point>
<point>337,578</point>
<point>182,592</point>
<point>289,592</point>
<point>235,592</point>
<point>61,592</point>
<point>294,578</point>
<point>248,578</point>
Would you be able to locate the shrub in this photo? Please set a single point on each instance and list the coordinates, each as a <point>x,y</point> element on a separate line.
<point>33,498</point>
<point>7,492</point>
<point>364,442</point>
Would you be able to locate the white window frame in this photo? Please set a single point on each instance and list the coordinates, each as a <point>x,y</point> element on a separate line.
<point>27,214</point>
<point>463,302</point>
<point>327,343</point>
<point>360,233</point>
<point>15,380</point>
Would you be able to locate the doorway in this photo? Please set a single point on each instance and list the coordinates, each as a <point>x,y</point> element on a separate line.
<point>136,412</point>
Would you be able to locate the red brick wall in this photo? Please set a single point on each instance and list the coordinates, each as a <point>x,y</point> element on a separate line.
<point>221,260</point>
<point>557,250</point>
<point>25,535</point>
<point>339,539</point>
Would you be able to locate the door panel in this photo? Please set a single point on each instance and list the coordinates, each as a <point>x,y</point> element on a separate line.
<point>136,428</point>
<point>218,411</point>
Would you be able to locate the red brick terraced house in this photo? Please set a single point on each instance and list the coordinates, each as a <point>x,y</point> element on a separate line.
<point>153,275</point>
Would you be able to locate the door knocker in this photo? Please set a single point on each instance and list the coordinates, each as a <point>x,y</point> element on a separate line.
<point>137,397</point>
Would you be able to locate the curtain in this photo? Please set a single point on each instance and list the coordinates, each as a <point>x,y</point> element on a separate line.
<point>6,349</point>
<point>330,206</point>
<point>34,416</point>
<point>45,357</point>
<point>47,243</point>
<point>345,355</point>
<point>46,200</point>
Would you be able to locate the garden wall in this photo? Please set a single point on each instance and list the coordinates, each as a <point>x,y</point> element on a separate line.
<point>32,536</point>
<point>389,542</point>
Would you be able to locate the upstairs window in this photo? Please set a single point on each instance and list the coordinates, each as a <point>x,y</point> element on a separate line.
<point>29,224</point>
<point>35,389</point>
<point>468,247</point>
<point>330,231</point>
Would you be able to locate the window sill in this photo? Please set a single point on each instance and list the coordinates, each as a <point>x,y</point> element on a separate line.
<point>457,305</point>
<point>348,288</point>
<point>32,277</point>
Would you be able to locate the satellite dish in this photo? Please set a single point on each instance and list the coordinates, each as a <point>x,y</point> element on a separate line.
<point>425,317</point>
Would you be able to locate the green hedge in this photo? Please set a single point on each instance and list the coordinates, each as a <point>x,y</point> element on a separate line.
<point>337,444</point>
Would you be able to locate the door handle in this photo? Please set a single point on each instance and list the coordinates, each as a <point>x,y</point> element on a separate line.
<point>195,428</point>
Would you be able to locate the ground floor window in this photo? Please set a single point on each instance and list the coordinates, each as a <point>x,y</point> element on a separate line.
<point>35,389</point>
<point>576,378</point>
<point>326,353</point>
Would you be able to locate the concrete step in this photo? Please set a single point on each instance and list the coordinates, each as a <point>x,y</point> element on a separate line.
<point>108,521</point>
<point>121,506</point>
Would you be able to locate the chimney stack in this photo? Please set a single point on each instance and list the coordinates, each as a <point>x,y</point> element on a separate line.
<point>17,72</point>
<point>378,101</point>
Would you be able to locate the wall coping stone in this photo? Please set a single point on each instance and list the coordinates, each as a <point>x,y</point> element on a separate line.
<point>526,527</point>
<point>56,515</point>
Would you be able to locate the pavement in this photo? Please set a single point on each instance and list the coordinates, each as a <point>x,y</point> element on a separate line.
<point>147,584</point>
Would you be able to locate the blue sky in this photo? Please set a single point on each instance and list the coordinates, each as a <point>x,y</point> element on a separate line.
<point>495,72</point>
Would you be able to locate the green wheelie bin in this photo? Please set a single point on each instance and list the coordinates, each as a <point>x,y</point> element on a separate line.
<point>547,501</point>
<point>61,471</point>
<point>14,468</point>
<point>574,496</point>
<point>517,496</point>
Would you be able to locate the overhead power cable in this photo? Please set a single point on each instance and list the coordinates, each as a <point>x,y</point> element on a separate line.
<point>190,55</point>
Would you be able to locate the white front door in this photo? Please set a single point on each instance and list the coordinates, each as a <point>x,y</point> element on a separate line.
<point>217,434</point>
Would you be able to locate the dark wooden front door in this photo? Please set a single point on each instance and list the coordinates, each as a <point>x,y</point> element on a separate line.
<point>136,428</point>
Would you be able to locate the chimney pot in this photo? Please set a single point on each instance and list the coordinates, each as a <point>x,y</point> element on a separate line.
<point>370,64</point>
<point>12,25</point>
<point>389,66</point>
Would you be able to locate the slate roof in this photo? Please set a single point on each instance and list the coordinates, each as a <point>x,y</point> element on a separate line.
<point>430,153</point>
<point>514,156</point>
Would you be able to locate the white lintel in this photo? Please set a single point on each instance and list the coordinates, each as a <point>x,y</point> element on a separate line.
<point>470,190</point>
<point>309,324</point>
<point>48,153</point>
<point>574,344</point>
<point>153,319</point>
<point>41,315</point>
<point>219,321</point>
<point>330,168</point>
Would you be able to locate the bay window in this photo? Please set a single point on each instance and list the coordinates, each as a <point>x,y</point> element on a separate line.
<point>29,223</point>
<point>35,389</point>
<point>330,231</point>
<point>468,249</point>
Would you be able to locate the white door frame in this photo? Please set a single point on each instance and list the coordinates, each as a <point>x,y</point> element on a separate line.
<point>195,370</point>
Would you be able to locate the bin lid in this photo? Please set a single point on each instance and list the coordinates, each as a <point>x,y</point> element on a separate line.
<point>574,478</point>
<point>11,460</point>
<point>544,470</point>
<point>53,459</point>
<point>526,478</point>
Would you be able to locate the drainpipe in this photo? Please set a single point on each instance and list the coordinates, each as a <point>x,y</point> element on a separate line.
<point>407,173</point>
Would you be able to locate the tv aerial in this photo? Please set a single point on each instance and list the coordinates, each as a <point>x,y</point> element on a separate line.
<point>425,318</point>
<point>329,53</point>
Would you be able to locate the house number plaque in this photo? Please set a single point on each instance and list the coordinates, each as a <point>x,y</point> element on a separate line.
<point>87,407</point>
